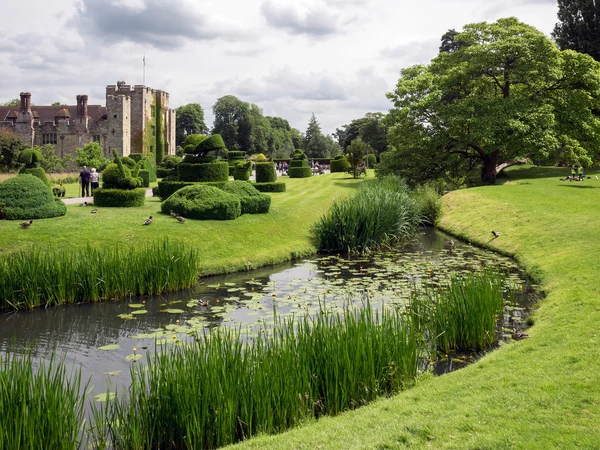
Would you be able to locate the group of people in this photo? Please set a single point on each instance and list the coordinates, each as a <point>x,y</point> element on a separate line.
<point>88,178</point>
<point>576,173</point>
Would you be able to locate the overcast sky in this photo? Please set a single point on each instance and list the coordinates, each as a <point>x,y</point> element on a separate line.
<point>336,58</point>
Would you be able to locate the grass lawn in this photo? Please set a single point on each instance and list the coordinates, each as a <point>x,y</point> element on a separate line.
<point>538,393</point>
<point>245,243</point>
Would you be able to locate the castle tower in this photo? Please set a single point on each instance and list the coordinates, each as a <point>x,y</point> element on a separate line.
<point>24,123</point>
<point>82,113</point>
<point>118,132</point>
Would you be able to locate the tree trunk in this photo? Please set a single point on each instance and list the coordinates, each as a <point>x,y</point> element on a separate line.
<point>488,171</point>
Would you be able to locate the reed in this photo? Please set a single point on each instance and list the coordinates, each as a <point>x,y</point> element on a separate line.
<point>39,407</point>
<point>49,276</point>
<point>227,387</point>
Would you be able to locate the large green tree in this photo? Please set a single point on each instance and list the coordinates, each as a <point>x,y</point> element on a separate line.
<point>260,131</point>
<point>315,144</point>
<point>371,129</point>
<point>232,122</point>
<point>579,26</point>
<point>13,102</point>
<point>505,94</point>
<point>281,143</point>
<point>10,147</point>
<point>190,120</point>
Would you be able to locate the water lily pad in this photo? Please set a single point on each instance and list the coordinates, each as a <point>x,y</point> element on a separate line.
<point>133,357</point>
<point>105,396</point>
<point>110,347</point>
<point>173,311</point>
<point>112,373</point>
<point>138,312</point>
<point>136,305</point>
<point>126,316</point>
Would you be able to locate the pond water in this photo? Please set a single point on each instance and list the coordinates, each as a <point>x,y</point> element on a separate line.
<point>100,337</point>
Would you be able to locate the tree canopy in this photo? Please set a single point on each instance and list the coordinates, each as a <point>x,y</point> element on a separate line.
<point>371,129</point>
<point>13,102</point>
<point>10,147</point>
<point>315,143</point>
<point>506,93</point>
<point>190,120</point>
<point>579,26</point>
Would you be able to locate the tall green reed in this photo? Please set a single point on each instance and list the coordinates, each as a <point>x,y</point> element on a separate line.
<point>226,387</point>
<point>39,407</point>
<point>49,276</point>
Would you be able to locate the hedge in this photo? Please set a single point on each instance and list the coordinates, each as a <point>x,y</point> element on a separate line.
<point>38,172</point>
<point>137,157</point>
<point>242,171</point>
<point>194,159</point>
<point>119,197</point>
<point>170,162</point>
<point>339,164</point>
<point>251,200</point>
<point>234,154</point>
<point>204,203</point>
<point>147,165</point>
<point>277,186</point>
<point>26,197</point>
<point>298,163</point>
<point>129,162</point>
<point>193,140</point>
<point>299,172</point>
<point>214,142</point>
<point>265,172</point>
<point>217,171</point>
<point>166,188</point>
<point>162,172</point>
<point>145,176</point>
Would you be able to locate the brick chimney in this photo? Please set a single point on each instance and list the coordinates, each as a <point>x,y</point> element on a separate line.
<point>82,107</point>
<point>25,101</point>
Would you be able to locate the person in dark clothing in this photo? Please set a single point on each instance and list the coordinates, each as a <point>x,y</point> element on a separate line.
<point>84,180</point>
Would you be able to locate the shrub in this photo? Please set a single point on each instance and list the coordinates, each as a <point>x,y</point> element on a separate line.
<point>217,171</point>
<point>145,164</point>
<point>155,191</point>
<point>193,139</point>
<point>252,201</point>
<point>242,171</point>
<point>277,186</point>
<point>234,154</point>
<point>299,172</point>
<point>339,164</point>
<point>27,197</point>
<point>31,157</point>
<point>119,197</point>
<point>197,159</point>
<point>166,188</point>
<point>265,172</point>
<point>261,158</point>
<point>371,158</point>
<point>137,157</point>
<point>189,149</point>
<point>204,203</point>
<point>112,177</point>
<point>162,172</point>
<point>430,204</point>
<point>128,162</point>
<point>36,172</point>
<point>170,162</point>
<point>145,176</point>
<point>92,155</point>
<point>211,143</point>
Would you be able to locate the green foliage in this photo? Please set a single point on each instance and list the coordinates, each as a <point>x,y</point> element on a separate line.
<point>94,274</point>
<point>10,147</point>
<point>339,164</point>
<point>315,144</point>
<point>488,103</point>
<point>197,159</point>
<point>12,102</point>
<point>430,203</point>
<point>159,154</point>
<point>217,171</point>
<point>372,160</point>
<point>277,186</point>
<point>356,151</point>
<point>577,28</point>
<point>129,162</point>
<point>381,213</point>
<point>31,157</point>
<point>372,129</point>
<point>36,172</point>
<point>212,143</point>
<point>265,172</point>
<point>145,176</point>
<point>204,203</point>
<point>299,172</point>
<point>161,172</point>
<point>170,162</point>
<point>91,155</point>
<point>242,170</point>
<point>26,197</point>
<point>252,201</point>
<point>232,122</point>
<point>167,187</point>
<point>32,397</point>
<point>145,164</point>
<point>50,161</point>
<point>125,198</point>
<point>114,177</point>
<point>137,157</point>
<point>189,121</point>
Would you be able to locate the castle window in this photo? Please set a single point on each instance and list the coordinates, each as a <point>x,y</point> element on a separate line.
<point>96,138</point>
<point>49,138</point>
<point>153,130</point>
<point>153,111</point>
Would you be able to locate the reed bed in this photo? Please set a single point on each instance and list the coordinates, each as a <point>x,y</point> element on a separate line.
<point>39,408</point>
<point>225,387</point>
<point>47,276</point>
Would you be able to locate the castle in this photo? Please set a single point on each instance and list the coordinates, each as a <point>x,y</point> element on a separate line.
<point>128,123</point>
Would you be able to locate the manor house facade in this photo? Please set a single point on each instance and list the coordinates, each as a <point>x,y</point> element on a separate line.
<point>128,122</point>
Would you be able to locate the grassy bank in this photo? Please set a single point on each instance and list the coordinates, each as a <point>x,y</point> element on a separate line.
<point>539,393</point>
<point>224,246</point>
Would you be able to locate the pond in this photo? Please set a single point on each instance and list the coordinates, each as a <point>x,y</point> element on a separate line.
<point>101,337</point>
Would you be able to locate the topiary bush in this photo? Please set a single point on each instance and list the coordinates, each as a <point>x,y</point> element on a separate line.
<point>170,162</point>
<point>119,197</point>
<point>299,166</point>
<point>145,176</point>
<point>117,176</point>
<point>204,203</point>
<point>261,158</point>
<point>265,172</point>
<point>233,158</point>
<point>145,164</point>
<point>211,143</point>
<point>252,201</point>
<point>26,197</point>
<point>277,186</point>
<point>197,159</point>
<point>216,171</point>
<point>31,157</point>
<point>167,188</point>
<point>242,171</point>
<point>137,157</point>
<point>339,164</point>
<point>128,162</point>
<point>162,172</point>
<point>192,141</point>
<point>38,172</point>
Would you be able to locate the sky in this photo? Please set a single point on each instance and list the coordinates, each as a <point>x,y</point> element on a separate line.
<point>334,58</point>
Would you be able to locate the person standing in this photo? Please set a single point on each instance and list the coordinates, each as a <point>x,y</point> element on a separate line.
<point>84,180</point>
<point>94,180</point>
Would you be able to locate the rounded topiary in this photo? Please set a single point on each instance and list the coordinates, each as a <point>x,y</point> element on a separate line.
<point>162,172</point>
<point>193,139</point>
<point>170,162</point>
<point>197,159</point>
<point>128,162</point>
<point>111,176</point>
<point>189,149</point>
<point>119,197</point>
<point>265,172</point>
<point>299,172</point>
<point>26,197</point>
<point>215,171</point>
<point>212,143</point>
<point>339,164</point>
<point>36,172</point>
<point>31,157</point>
<point>204,203</point>
<point>242,171</point>
<point>252,201</point>
<point>137,157</point>
<point>261,158</point>
<point>277,186</point>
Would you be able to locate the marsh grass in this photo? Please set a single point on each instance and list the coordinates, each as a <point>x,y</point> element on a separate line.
<point>41,407</point>
<point>227,387</point>
<point>50,276</point>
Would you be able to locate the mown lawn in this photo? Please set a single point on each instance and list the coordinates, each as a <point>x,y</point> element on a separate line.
<point>538,393</point>
<point>245,243</point>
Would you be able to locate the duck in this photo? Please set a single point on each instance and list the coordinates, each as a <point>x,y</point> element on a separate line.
<point>180,219</point>
<point>148,221</point>
<point>518,335</point>
<point>449,245</point>
<point>93,211</point>
<point>26,225</point>
<point>173,214</point>
<point>83,204</point>
<point>496,234</point>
